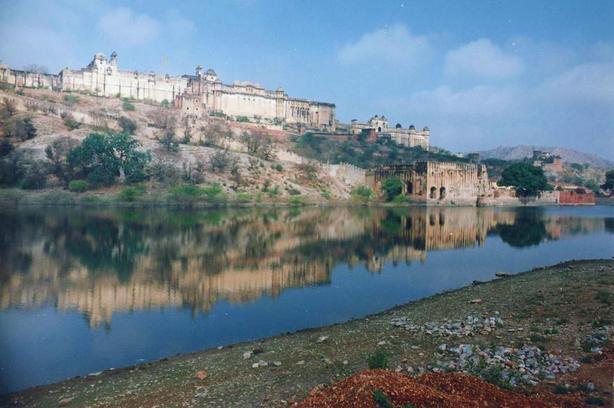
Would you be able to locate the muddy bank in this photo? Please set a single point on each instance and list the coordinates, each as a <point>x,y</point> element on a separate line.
<point>554,323</point>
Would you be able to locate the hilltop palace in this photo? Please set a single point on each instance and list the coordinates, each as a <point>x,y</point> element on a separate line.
<point>203,91</point>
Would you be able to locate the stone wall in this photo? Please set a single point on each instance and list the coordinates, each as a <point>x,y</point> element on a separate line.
<point>347,173</point>
<point>436,183</point>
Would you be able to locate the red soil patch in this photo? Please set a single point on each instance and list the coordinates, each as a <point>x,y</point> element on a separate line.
<point>441,390</point>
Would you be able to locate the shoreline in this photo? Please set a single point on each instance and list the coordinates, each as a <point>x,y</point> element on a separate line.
<point>269,371</point>
<point>17,198</point>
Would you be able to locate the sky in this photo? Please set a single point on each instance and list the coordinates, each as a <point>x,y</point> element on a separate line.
<point>479,73</point>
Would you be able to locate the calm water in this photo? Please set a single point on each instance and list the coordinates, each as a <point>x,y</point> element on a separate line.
<point>82,291</point>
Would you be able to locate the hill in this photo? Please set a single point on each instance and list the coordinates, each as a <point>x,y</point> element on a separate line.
<point>524,151</point>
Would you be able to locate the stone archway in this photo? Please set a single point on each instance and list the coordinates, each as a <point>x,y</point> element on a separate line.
<point>442,193</point>
<point>433,192</point>
<point>410,187</point>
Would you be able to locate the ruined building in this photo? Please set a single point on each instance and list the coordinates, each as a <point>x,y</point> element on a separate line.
<point>378,126</point>
<point>435,183</point>
<point>202,92</point>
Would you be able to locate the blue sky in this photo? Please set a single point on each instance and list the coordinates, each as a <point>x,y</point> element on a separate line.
<point>478,73</point>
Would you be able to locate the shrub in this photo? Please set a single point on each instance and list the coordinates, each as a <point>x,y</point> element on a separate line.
<point>400,199</point>
<point>381,399</point>
<point>127,125</point>
<point>127,106</point>
<point>379,359</point>
<point>5,147</point>
<point>132,193</point>
<point>293,191</point>
<point>279,167</point>
<point>78,186</point>
<point>35,177</point>
<point>273,191</point>
<point>296,200</point>
<point>21,128</point>
<point>325,194</point>
<point>362,193</point>
<point>392,187</point>
<point>214,192</point>
<point>244,197</point>
<point>168,140</point>
<point>71,99</point>
<point>186,193</point>
<point>70,122</point>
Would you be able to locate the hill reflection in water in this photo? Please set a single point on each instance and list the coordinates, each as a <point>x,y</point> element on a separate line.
<point>104,261</point>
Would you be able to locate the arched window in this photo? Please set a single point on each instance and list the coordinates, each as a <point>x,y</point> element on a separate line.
<point>433,192</point>
<point>442,193</point>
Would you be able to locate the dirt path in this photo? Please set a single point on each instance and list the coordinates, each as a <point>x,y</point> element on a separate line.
<point>554,321</point>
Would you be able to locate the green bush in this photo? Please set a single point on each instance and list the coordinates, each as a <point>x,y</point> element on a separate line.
<point>325,194</point>
<point>127,125</point>
<point>186,193</point>
<point>400,199</point>
<point>296,200</point>
<point>132,193</point>
<point>78,186</point>
<point>71,99</point>
<point>273,191</point>
<point>392,187</point>
<point>379,359</point>
<point>381,399</point>
<point>362,193</point>
<point>214,192</point>
<point>279,167</point>
<point>127,106</point>
<point>71,123</point>
<point>244,197</point>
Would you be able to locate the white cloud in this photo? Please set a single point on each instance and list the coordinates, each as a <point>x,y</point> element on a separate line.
<point>481,58</point>
<point>390,45</point>
<point>477,102</point>
<point>584,83</point>
<point>122,26</point>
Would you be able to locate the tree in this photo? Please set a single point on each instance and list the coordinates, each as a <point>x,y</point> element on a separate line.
<point>131,161</point>
<point>94,160</point>
<point>609,181</point>
<point>526,178</point>
<point>21,128</point>
<point>220,161</point>
<point>57,153</point>
<point>168,140</point>
<point>100,158</point>
<point>128,125</point>
<point>392,186</point>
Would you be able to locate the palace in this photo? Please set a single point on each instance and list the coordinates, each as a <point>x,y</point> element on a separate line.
<point>377,127</point>
<point>194,94</point>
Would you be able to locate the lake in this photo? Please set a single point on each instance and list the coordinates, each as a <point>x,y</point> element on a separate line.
<point>86,290</point>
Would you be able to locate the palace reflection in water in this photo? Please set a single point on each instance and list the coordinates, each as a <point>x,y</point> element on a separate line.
<point>102,262</point>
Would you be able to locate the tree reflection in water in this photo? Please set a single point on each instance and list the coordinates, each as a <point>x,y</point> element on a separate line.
<point>100,261</point>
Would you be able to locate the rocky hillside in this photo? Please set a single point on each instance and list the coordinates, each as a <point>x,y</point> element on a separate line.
<point>524,151</point>
<point>248,161</point>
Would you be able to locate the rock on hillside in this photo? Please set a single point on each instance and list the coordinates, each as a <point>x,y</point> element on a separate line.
<point>524,151</point>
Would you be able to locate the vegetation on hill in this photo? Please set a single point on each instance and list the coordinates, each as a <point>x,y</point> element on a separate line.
<point>362,153</point>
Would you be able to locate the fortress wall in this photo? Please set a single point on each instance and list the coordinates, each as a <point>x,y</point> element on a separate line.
<point>248,105</point>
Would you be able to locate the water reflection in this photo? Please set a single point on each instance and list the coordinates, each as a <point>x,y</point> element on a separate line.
<point>102,262</point>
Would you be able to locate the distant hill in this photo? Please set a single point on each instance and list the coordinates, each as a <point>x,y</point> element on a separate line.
<point>524,151</point>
